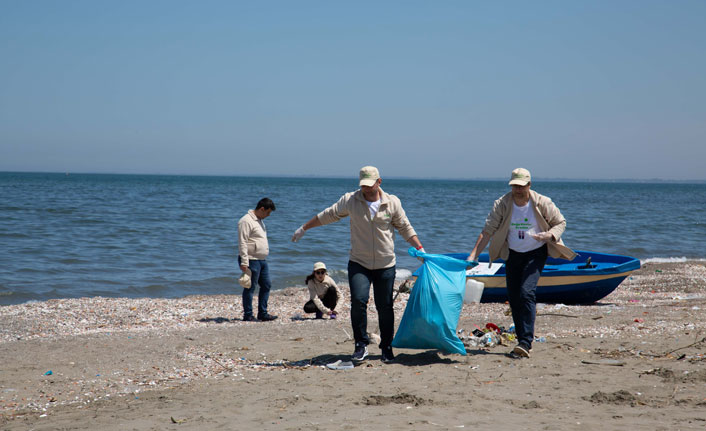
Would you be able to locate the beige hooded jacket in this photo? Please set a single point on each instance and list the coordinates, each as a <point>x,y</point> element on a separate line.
<point>549,219</point>
<point>318,290</point>
<point>372,240</point>
<point>252,239</point>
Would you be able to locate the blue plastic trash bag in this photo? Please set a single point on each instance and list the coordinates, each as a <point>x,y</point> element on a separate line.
<point>434,306</point>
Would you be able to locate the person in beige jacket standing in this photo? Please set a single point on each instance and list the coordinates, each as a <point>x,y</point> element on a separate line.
<point>524,227</point>
<point>374,216</point>
<point>253,249</point>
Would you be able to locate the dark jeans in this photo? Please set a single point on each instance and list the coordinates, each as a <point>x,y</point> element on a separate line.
<point>260,276</point>
<point>383,280</point>
<point>330,299</point>
<point>522,271</point>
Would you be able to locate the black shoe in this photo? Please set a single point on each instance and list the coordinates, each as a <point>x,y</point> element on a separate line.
<point>360,353</point>
<point>250,318</point>
<point>387,355</point>
<point>266,317</point>
<point>521,351</point>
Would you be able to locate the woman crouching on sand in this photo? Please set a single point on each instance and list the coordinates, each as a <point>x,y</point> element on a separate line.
<point>323,293</point>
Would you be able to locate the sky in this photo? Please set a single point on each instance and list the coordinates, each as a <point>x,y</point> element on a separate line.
<point>425,89</point>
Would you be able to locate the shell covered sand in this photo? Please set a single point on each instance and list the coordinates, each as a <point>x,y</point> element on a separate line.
<point>681,287</point>
<point>61,357</point>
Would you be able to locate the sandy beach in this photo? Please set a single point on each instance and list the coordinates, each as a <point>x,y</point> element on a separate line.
<point>635,360</point>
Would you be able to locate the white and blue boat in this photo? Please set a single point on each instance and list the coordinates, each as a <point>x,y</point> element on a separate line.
<point>588,278</point>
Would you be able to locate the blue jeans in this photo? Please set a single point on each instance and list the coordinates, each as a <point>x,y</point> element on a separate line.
<point>260,276</point>
<point>522,272</point>
<point>383,280</point>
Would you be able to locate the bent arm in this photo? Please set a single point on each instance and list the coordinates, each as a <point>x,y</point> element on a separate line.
<point>557,224</point>
<point>481,243</point>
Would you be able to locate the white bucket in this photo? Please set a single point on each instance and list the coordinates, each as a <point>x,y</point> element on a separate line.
<point>474,290</point>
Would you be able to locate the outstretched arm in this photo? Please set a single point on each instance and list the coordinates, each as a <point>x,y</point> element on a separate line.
<point>313,222</point>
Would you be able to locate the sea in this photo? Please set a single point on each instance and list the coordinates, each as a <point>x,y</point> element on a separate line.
<point>84,235</point>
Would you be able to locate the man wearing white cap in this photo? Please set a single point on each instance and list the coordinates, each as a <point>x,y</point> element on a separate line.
<point>374,215</point>
<point>523,228</point>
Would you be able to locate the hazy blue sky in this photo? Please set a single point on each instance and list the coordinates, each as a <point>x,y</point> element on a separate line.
<point>454,89</point>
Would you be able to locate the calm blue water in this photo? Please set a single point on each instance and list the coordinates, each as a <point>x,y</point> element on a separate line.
<point>170,236</point>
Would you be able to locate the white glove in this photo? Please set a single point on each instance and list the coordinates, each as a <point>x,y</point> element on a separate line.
<point>298,234</point>
<point>421,259</point>
<point>544,237</point>
<point>471,263</point>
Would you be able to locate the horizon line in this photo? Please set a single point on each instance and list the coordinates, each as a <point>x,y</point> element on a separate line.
<point>392,177</point>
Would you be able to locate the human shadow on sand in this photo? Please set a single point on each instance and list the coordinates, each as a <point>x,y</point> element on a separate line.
<point>478,352</point>
<point>427,357</point>
<point>430,357</point>
<point>410,360</point>
<point>218,320</point>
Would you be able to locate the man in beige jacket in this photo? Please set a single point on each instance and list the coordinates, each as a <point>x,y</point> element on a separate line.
<point>374,216</point>
<point>525,227</point>
<point>253,249</point>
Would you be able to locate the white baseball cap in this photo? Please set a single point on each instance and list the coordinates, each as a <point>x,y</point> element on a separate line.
<point>520,177</point>
<point>244,280</point>
<point>368,175</point>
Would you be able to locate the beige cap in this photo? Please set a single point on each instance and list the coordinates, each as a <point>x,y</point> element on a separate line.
<point>319,265</point>
<point>368,175</point>
<point>520,177</point>
<point>244,280</point>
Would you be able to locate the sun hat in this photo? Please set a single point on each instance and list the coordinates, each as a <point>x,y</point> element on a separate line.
<point>368,175</point>
<point>520,177</point>
<point>244,280</point>
<point>319,265</point>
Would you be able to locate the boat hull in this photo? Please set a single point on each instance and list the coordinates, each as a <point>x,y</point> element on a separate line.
<point>564,290</point>
<point>562,281</point>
